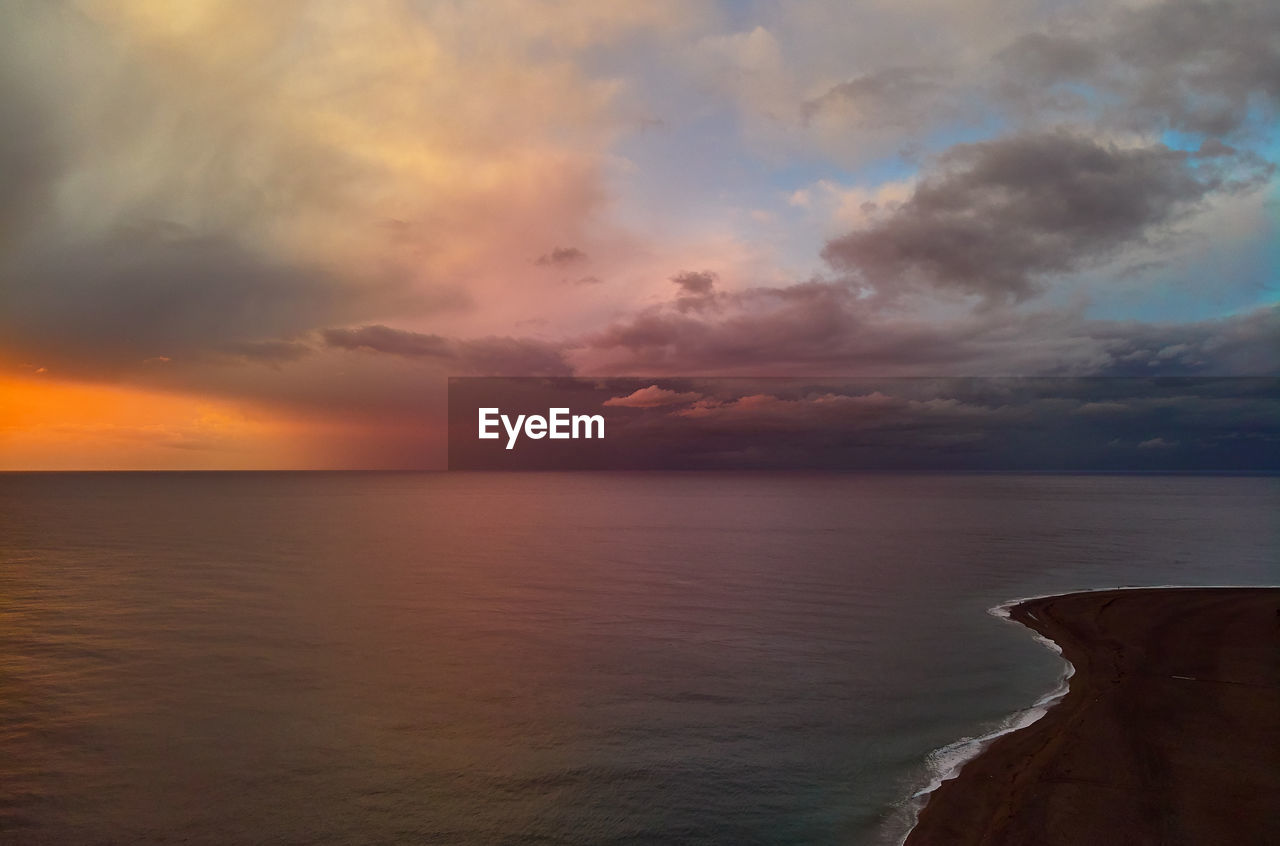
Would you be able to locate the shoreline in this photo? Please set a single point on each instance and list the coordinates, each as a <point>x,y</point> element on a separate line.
<point>1131,749</point>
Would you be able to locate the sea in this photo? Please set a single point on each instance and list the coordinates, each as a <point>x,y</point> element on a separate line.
<point>548,658</point>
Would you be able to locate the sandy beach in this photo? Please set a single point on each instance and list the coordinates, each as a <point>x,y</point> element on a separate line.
<point>1169,734</point>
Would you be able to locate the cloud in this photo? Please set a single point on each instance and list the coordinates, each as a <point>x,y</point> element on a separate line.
<point>31,151</point>
<point>1041,59</point>
<point>188,184</point>
<point>1203,66</point>
<point>561,256</point>
<point>696,290</point>
<point>741,62</point>
<point>94,305</point>
<point>274,353</point>
<point>698,283</point>
<point>893,97</point>
<point>653,397</point>
<point>907,80</point>
<point>942,415</point>
<point>383,339</point>
<point>997,218</point>
<point>241,200</point>
<point>480,356</point>
<point>1242,345</point>
<point>874,422</point>
<point>825,327</point>
<point>756,328</point>
<point>827,420</point>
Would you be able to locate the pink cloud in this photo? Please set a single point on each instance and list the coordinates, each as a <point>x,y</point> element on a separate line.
<point>652,397</point>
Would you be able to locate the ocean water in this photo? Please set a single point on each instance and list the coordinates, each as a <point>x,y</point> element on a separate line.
<point>545,658</point>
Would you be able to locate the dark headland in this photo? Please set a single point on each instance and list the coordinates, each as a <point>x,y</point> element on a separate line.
<point>1169,734</point>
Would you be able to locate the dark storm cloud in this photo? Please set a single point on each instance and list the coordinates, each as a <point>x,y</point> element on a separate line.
<point>561,256</point>
<point>97,274</point>
<point>492,355</point>
<point>997,217</point>
<point>94,305</point>
<point>1184,64</point>
<point>1010,422</point>
<point>29,154</point>
<point>143,216</point>
<point>819,327</point>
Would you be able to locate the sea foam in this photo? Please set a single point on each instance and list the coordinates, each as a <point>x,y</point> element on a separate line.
<point>946,762</point>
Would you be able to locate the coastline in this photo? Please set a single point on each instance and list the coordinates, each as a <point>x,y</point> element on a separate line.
<point>1165,732</point>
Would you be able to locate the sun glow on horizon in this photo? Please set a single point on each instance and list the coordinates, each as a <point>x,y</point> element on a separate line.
<point>53,425</point>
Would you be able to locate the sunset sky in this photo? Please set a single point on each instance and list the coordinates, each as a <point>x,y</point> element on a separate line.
<point>262,235</point>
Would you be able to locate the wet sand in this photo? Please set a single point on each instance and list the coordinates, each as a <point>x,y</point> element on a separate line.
<point>1169,734</point>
